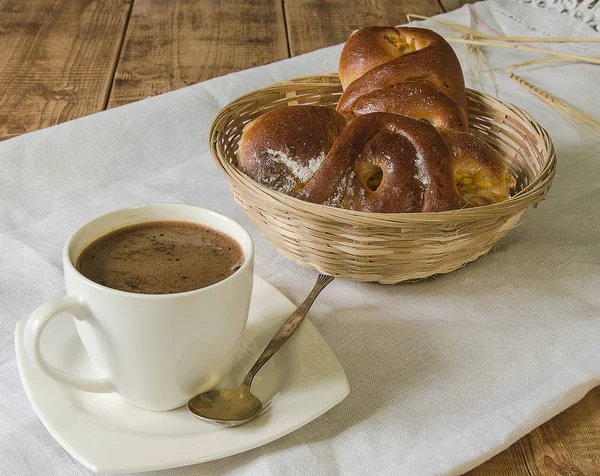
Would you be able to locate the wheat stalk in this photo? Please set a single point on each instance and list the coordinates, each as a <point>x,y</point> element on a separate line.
<point>477,35</point>
<point>584,59</point>
<point>489,70</point>
<point>533,39</point>
<point>538,61</point>
<point>592,124</point>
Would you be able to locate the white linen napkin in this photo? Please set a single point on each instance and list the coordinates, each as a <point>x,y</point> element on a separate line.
<point>444,373</point>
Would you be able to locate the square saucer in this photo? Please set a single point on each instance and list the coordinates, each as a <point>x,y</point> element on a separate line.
<point>106,434</point>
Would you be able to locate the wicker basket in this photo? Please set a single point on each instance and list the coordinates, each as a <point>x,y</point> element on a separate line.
<point>384,247</point>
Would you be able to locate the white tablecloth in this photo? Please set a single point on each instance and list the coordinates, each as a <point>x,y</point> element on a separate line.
<point>444,373</point>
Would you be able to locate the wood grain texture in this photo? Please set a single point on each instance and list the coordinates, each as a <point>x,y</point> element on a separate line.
<point>314,24</point>
<point>450,5</point>
<point>508,463</point>
<point>57,60</point>
<point>566,445</point>
<point>170,44</point>
<point>569,443</point>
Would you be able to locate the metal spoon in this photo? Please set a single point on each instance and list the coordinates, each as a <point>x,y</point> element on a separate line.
<point>236,406</point>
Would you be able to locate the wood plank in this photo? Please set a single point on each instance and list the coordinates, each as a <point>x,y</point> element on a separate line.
<point>566,445</point>
<point>508,463</point>
<point>449,5</point>
<point>57,59</point>
<point>569,443</point>
<point>174,43</point>
<point>314,24</point>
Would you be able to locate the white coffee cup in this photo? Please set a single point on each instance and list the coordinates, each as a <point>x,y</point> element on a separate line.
<point>155,350</point>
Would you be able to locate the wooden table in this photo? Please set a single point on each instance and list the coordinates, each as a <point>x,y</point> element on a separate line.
<point>63,59</point>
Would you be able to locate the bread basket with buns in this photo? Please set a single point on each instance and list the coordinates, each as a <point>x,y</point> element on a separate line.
<point>391,187</point>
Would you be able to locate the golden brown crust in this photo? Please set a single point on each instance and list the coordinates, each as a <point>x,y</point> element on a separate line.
<point>412,157</point>
<point>419,99</point>
<point>480,175</point>
<point>367,48</point>
<point>283,148</point>
<point>413,55</point>
<point>377,162</point>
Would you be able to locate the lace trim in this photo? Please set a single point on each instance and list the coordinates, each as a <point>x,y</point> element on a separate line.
<point>587,11</point>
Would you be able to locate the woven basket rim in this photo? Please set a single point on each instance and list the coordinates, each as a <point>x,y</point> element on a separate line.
<point>524,198</point>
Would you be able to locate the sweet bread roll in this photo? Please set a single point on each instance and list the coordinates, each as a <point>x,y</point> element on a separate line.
<point>420,100</point>
<point>386,163</point>
<point>409,71</point>
<point>480,175</point>
<point>378,162</point>
<point>284,148</point>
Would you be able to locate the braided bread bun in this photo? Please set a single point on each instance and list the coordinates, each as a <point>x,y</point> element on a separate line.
<point>282,149</point>
<point>379,162</point>
<point>409,71</point>
<point>480,175</point>
<point>386,163</point>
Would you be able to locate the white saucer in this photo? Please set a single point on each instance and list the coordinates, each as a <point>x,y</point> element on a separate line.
<point>106,434</point>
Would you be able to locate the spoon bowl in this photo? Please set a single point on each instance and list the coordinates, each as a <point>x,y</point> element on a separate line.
<point>228,406</point>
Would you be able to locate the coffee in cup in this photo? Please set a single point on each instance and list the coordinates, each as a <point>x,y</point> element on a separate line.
<point>160,257</point>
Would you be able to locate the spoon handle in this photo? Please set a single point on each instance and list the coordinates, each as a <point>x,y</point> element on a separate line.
<point>287,328</point>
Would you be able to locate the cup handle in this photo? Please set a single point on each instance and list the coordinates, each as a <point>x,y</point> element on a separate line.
<point>34,328</point>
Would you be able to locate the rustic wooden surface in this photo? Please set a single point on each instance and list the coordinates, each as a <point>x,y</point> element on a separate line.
<point>454,4</point>
<point>57,60</point>
<point>62,59</point>
<point>171,44</point>
<point>312,25</point>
